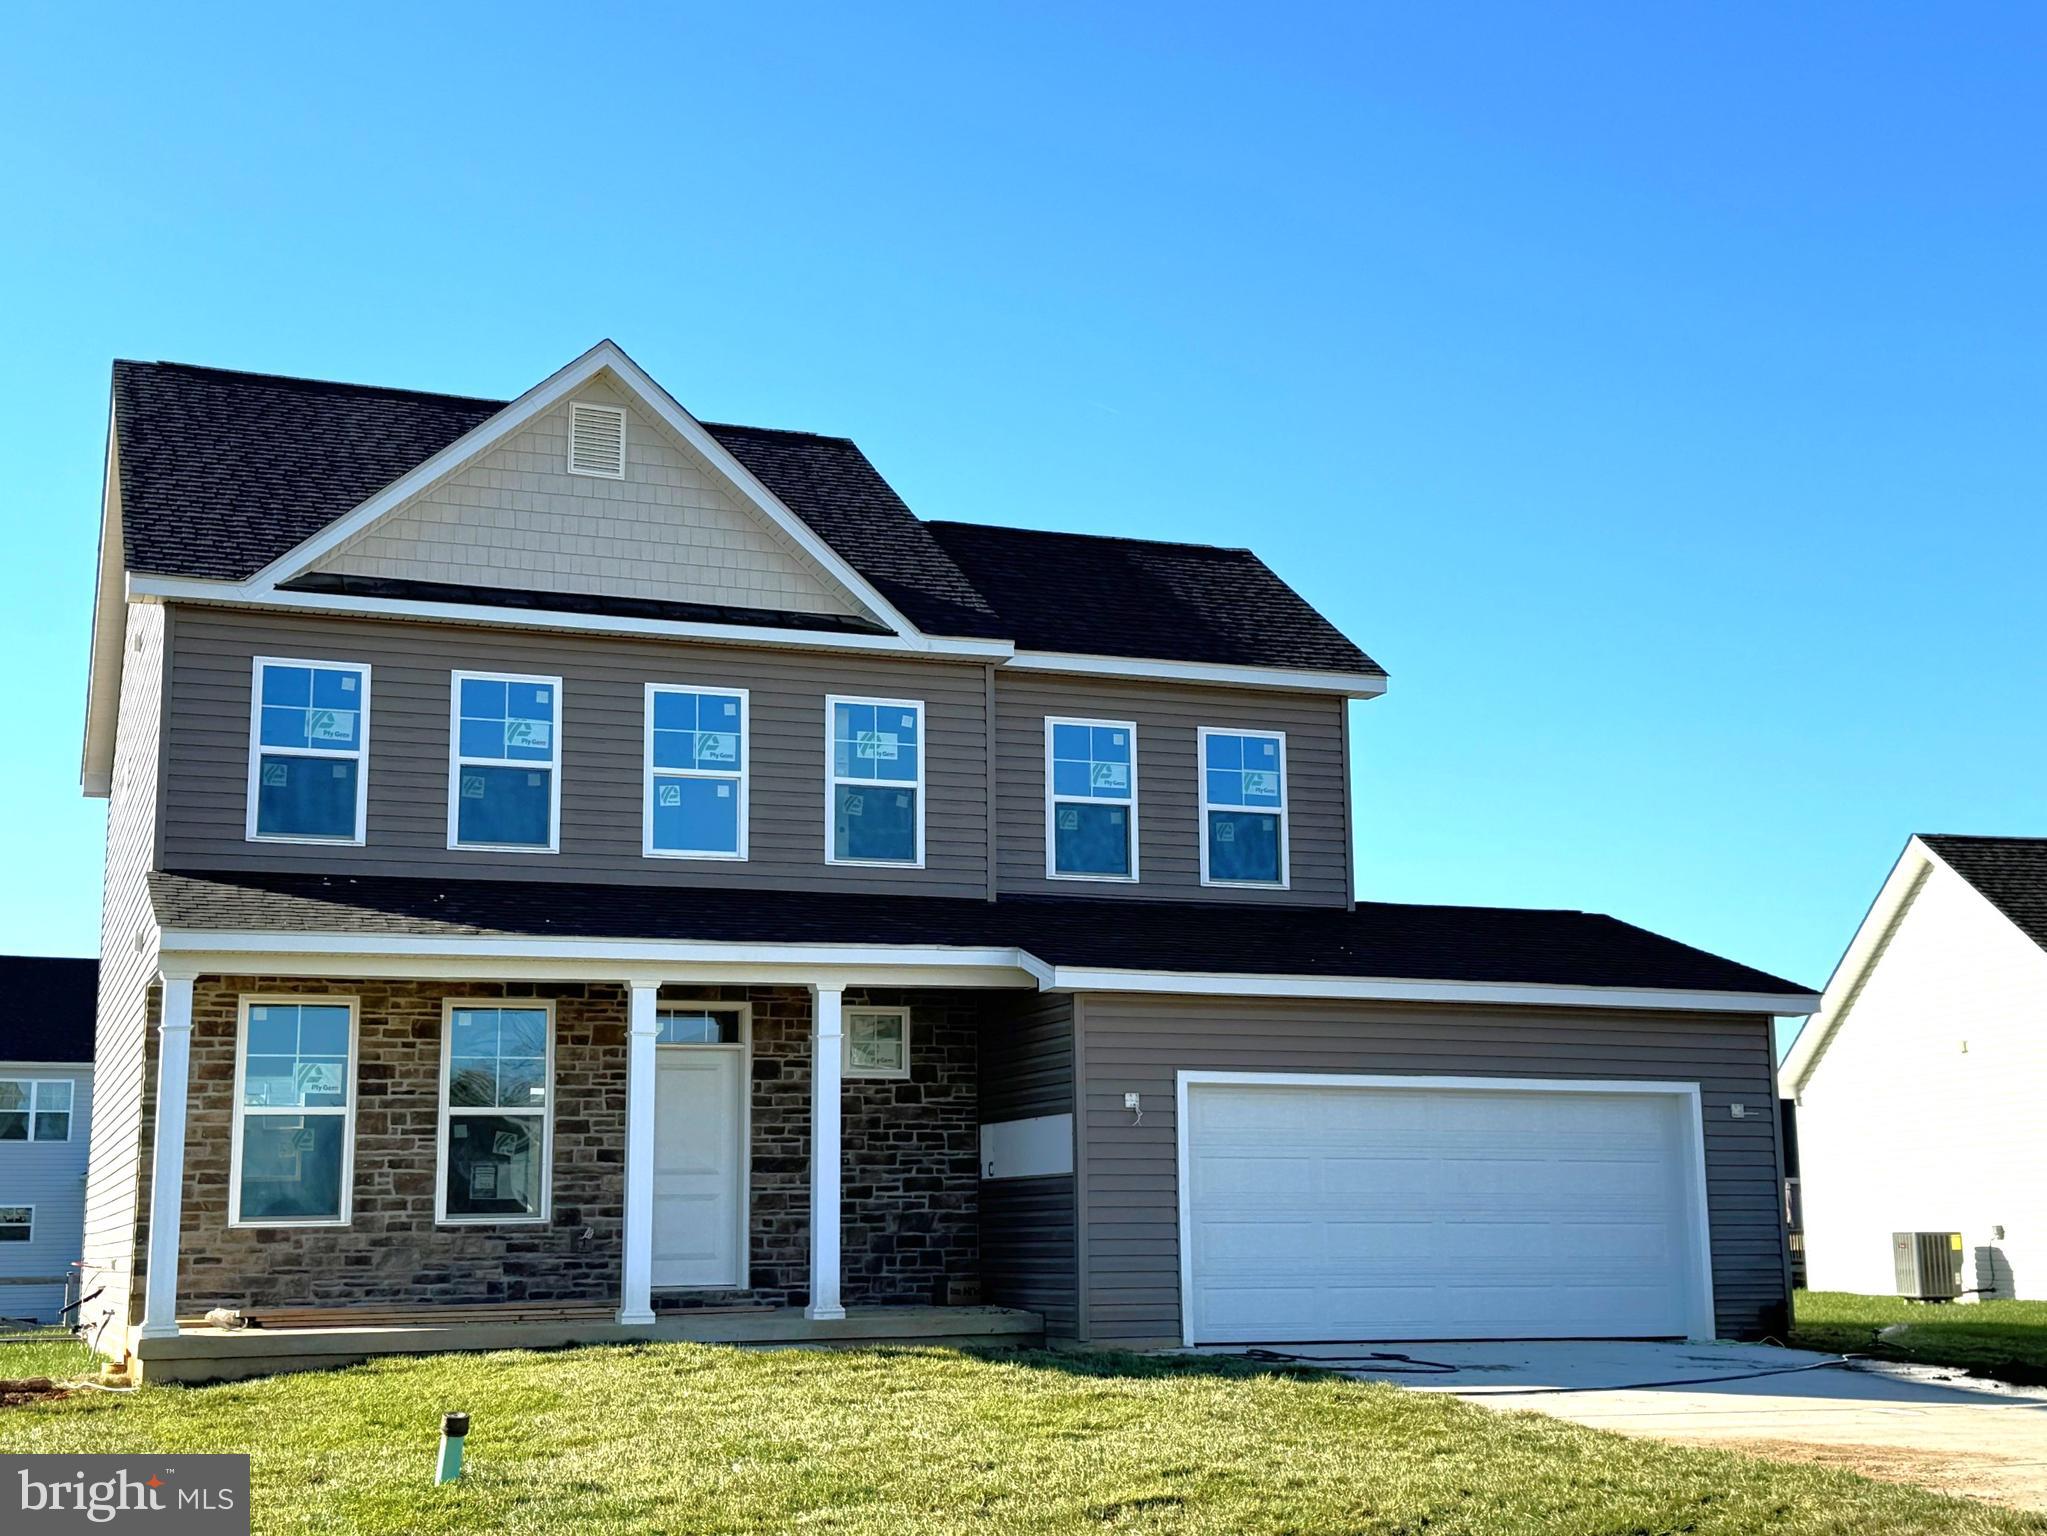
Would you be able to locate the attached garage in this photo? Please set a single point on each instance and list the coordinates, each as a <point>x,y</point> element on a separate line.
<point>1324,1207</point>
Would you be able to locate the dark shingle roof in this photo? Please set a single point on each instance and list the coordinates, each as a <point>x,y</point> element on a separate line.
<point>1374,939</point>
<point>223,472</point>
<point>2011,872</point>
<point>48,1009</point>
<point>1090,595</point>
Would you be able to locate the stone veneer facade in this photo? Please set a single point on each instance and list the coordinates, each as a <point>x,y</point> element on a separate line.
<point>909,1186</point>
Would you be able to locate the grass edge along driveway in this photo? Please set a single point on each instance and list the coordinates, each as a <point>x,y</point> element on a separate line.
<point>2006,1340</point>
<point>686,1437</point>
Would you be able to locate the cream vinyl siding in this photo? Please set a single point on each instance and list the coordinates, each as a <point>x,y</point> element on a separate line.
<point>1928,1108</point>
<point>127,972</point>
<point>1169,823</point>
<point>1128,1193</point>
<point>603,757</point>
<point>671,528</point>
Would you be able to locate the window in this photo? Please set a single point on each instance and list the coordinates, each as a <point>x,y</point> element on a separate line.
<point>32,1109</point>
<point>504,786</point>
<point>1090,799</point>
<point>700,1024</point>
<point>17,1223</point>
<point>696,773</point>
<point>1243,808</point>
<point>497,1065</point>
<point>294,1147</point>
<point>877,1042</point>
<point>874,789</point>
<point>309,751</point>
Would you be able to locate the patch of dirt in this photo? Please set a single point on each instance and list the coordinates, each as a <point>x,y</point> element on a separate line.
<point>2018,1485</point>
<point>34,1389</point>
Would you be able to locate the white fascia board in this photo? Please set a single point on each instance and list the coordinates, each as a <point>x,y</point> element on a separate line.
<point>605,357</point>
<point>142,588</point>
<point>109,634</point>
<point>1394,989</point>
<point>257,953</point>
<point>1892,901</point>
<point>69,1068</point>
<point>1351,685</point>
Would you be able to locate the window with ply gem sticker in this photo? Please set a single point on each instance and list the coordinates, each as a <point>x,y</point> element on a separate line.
<point>875,781</point>
<point>506,759</point>
<point>696,772</point>
<point>1091,799</point>
<point>1243,794</point>
<point>309,751</point>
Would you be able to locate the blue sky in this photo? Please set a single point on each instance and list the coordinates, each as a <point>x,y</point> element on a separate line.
<point>1657,391</point>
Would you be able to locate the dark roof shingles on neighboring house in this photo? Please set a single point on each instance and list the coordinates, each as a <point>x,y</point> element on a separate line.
<point>49,1009</point>
<point>2010,872</point>
<point>223,472</point>
<point>1373,939</point>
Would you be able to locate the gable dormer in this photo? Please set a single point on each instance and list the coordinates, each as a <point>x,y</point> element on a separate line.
<point>595,496</point>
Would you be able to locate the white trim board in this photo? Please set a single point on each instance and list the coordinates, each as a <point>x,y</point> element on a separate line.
<point>187,589</point>
<point>1351,685</point>
<point>259,953</point>
<point>1699,1303</point>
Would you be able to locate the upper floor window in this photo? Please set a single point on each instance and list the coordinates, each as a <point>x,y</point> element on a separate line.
<point>35,1109</point>
<point>497,1065</point>
<point>309,751</point>
<point>294,1132</point>
<point>874,781</point>
<point>504,768</point>
<point>1090,799</point>
<point>696,773</point>
<point>17,1223</point>
<point>1243,807</point>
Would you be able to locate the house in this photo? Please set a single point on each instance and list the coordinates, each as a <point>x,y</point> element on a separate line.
<point>45,1118</point>
<point>1920,1081</point>
<point>566,854</point>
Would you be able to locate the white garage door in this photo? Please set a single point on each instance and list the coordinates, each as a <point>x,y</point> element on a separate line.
<point>1438,1212</point>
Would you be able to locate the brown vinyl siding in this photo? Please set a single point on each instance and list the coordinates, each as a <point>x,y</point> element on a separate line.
<point>1129,1201</point>
<point>127,970</point>
<point>602,749</point>
<point>1167,716</point>
<point>1028,1237</point>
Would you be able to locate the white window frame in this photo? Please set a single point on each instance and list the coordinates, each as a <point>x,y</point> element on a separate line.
<point>31,1220</point>
<point>1053,800</point>
<point>346,1112</point>
<point>1283,810</point>
<point>34,1085</point>
<point>847,1069</point>
<point>832,781</point>
<point>456,760</point>
<point>741,777</point>
<point>441,1120</point>
<point>360,755</point>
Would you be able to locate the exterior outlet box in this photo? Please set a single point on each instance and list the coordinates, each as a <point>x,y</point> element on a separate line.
<point>1928,1264</point>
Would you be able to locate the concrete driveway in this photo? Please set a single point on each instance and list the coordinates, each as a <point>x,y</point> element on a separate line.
<point>1940,1429</point>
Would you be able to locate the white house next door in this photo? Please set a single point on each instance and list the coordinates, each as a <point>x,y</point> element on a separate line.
<point>699,1166</point>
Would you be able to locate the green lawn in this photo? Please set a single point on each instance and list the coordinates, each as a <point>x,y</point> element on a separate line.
<point>2004,1339</point>
<point>683,1437</point>
<point>52,1353</point>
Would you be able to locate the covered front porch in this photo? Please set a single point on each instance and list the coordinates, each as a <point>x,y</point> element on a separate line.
<point>716,1152</point>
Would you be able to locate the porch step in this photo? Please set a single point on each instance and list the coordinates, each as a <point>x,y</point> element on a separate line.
<point>203,1353</point>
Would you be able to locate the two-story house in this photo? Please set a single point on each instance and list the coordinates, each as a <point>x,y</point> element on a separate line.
<point>565,854</point>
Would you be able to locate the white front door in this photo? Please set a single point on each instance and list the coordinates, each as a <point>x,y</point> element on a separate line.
<point>699,1166</point>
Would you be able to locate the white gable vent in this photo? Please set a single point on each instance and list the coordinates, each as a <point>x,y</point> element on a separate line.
<point>597,441</point>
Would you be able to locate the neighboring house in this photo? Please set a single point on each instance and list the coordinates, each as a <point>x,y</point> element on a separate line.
<point>45,1111</point>
<point>1921,1079</point>
<point>566,853</point>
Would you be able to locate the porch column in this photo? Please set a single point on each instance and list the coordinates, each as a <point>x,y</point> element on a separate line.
<point>167,1161</point>
<point>827,1076</point>
<point>636,1282</point>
